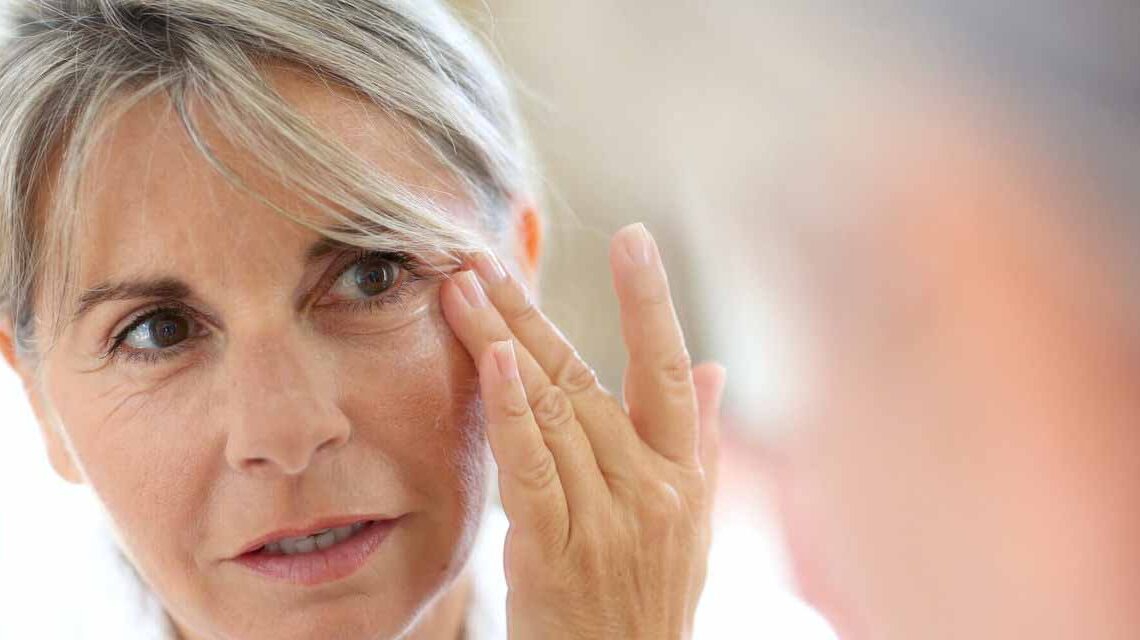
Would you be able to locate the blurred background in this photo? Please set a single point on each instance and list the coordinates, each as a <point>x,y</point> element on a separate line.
<point>907,229</point>
<point>653,111</point>
<point>640,111</point>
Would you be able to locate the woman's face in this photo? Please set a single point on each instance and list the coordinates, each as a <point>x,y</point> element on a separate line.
<point>282,382</point>
<point>969,466</point>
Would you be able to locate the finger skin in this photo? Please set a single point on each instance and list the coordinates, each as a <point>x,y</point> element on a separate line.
<point>660,393</point>
<point>529,484</point>
<point>709,380</point>
<point>602,416</point>
<point>633,568</point>
<point>478,325</point>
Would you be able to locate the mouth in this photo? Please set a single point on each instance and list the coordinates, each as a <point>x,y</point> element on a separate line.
<point>316,554</point>
<point>320,539</point>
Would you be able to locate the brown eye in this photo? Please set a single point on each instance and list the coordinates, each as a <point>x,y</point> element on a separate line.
<point>159,331</point>
<point>366,278</point>
<point>375,276</point>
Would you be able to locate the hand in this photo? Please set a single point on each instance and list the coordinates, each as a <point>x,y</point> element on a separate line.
<point>609,503</point>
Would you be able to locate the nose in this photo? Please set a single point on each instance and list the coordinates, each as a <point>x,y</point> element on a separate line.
<point>283,406</point>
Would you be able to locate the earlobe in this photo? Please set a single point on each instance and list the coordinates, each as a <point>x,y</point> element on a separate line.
<point>529,239</point>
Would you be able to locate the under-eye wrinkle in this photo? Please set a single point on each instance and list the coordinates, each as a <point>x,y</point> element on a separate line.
<point>383,279</point>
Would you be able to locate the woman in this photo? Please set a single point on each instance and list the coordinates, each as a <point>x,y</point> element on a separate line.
<point>956,203</point>
<point>265,280</point>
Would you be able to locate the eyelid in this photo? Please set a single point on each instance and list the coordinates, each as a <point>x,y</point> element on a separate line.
<point>143,314</point>
<point>407,263</point>
<point>152,356</point>
<point>413,268</point>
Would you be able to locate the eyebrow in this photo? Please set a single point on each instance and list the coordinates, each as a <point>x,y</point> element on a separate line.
<point>323,247</point>
<point>169,288</point>
<point>165,288</point>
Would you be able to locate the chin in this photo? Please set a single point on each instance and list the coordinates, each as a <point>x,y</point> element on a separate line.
<point>386,599</point>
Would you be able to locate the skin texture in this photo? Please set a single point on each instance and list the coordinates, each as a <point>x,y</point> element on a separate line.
<point>286,408</point>
<point>609,501</point>
<point>967,467</point>
<point>287,403</point>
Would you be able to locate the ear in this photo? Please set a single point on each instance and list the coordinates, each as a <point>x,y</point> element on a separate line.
<point>528,239</point>
<point>58,453</point>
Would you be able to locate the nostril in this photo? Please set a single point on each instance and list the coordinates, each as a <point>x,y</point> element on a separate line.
<point>334,442</point>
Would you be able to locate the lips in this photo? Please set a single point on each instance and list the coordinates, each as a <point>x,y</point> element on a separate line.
<point>307,544</point>
<point>319,563</point>
<point>312,528</point>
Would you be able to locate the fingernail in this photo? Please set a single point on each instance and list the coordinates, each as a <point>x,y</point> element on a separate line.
<point>638,244</point>
<point>472,290</point>
<point>489,267</point>
<point>505,360</point>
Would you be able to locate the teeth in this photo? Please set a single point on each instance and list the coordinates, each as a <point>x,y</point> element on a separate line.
<point>318,540</point>
<point>342,533</point>
<point>325,540</point>
<point>304,545</point>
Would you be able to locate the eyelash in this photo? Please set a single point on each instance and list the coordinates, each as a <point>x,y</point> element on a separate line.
<point>407,263</point>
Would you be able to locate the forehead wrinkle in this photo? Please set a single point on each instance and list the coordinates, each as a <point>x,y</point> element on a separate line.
<point>194,170</point>
<point>225,206</point>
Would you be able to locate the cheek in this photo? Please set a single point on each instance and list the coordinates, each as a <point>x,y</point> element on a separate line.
<point>414,401</point>
<point>882,467</point>
<point>414,397</point>
<point>410,395</point>
<point>142,459</point>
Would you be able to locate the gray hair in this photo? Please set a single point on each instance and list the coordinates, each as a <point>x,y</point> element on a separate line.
<point>71,66</point>
<point>1061,76</point>
<point>1065,77</point>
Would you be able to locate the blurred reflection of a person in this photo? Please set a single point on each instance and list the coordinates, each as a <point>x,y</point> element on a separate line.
<point>950,224</point>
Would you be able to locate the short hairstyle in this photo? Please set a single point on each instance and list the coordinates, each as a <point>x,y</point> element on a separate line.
<point>69,67</point>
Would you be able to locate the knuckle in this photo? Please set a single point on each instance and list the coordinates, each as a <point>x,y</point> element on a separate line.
<point>552,407</point>
<point>524,313</point>
<point>678,368</point>
<point>661,505</point>
<point>695,487</point>
<point>515,410</point>
<point>654,296</point>
<point>537,472</point>
<point>575,376</point>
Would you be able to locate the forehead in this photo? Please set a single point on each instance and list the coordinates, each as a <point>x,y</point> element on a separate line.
<point>951,206</point>
<point>152,199</point>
